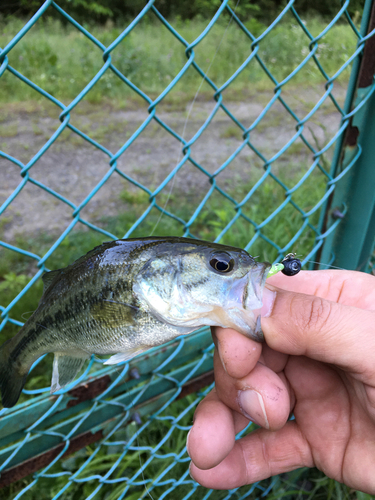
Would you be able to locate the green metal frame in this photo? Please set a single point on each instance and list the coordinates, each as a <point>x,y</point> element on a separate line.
<point>127,392</point>
<point>351,245</point>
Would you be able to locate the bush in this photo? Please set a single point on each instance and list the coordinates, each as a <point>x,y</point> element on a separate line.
<point>102,10</point>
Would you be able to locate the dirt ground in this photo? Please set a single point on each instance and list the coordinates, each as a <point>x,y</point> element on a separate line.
<point>73,167</point>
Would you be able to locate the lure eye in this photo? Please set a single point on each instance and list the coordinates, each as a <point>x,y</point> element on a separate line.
<point>222,263</point>
<point>292,265</point>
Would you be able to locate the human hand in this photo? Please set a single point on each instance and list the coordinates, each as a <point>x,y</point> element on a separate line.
<point>319,363</point>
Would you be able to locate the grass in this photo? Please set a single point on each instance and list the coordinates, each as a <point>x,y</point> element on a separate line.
<point>8,131</point>
<point>16,270</point>
<point>298,147</point>
<point>231,131</point>
<point>62,60</point>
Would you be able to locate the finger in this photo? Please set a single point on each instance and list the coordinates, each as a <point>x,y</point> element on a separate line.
<point>323,410</point>
<point>257,456</point>
<point>212,436</point>
<point>346,287</point>
<point>262,396</point>
<point>300,324</point>
<point>338,429</point>
<point>276,361</point>
<point>238,353</point>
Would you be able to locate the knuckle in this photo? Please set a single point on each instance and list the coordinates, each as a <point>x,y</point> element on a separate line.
<point>314,315</point>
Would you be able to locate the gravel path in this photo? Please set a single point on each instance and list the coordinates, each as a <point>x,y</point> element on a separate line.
<point>73,167</point>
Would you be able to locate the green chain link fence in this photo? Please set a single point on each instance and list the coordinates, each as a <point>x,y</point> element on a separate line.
<point>120,433</point>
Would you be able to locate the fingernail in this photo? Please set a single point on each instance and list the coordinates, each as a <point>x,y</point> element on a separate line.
<point>220,356</point>
<point>187,443</point>
<point>252,406</point>
<point>190,471</point>
<point>269,297</point>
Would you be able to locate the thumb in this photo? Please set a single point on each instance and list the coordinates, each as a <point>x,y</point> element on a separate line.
<point>299,324</point>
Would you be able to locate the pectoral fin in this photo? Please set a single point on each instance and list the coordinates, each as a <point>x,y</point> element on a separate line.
<point>125,356</point>
<point>114,314</point>
<point>65,369</point>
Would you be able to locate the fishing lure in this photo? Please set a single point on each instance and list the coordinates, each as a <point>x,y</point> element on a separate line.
<point>290,266</point>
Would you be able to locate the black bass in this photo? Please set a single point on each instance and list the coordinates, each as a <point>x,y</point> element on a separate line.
<point>126,296</point>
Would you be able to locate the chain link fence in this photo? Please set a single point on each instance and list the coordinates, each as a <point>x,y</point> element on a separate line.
<point>257,169</point>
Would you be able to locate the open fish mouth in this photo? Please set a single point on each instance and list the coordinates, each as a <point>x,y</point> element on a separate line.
<point>253,296</point>
<point>244,302</point>
<point>253,293</point>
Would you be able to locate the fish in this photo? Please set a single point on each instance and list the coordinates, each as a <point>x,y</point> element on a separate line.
<point>126,296</point>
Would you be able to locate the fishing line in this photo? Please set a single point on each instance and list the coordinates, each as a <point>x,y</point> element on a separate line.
<point>119,370</point>
<point>174,178</point>
<point>177,162</point>
<point>24,315</point>
<point>327,266</point>
<point>188,116</point>
<point>140,463</point>
<point>292,265</point>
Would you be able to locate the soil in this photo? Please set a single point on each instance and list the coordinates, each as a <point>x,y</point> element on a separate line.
<point>72,167</point>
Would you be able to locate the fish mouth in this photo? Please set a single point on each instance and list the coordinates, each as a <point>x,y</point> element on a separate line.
<point>253,296</point>
<point>253,293</point>
<point>244,302</point>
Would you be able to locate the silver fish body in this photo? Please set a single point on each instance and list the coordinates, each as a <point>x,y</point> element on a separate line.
<point>127,296</point>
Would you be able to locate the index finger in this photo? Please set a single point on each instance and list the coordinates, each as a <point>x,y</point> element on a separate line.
<point>321,329</point>
<point>350,288</point>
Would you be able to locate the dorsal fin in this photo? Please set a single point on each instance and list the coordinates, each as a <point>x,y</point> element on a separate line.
<point>48,277</point>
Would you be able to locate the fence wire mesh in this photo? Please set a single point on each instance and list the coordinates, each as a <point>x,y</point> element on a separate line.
<point>253,169</point>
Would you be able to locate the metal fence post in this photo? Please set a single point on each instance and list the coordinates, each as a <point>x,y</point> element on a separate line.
<point>351,245</point>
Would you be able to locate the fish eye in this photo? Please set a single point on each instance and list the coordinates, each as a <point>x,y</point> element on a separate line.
<point>222,263</point>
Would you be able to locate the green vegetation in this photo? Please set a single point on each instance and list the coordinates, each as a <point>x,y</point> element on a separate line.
<point>103,10</point>
<point>8,131</point>
<point>307,484</point>
<point>232,131</point>
<point>62,61</point>
<point>16,269</point>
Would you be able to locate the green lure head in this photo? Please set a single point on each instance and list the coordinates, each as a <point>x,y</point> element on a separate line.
<point>290,266</point>
<point>275,269</point>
